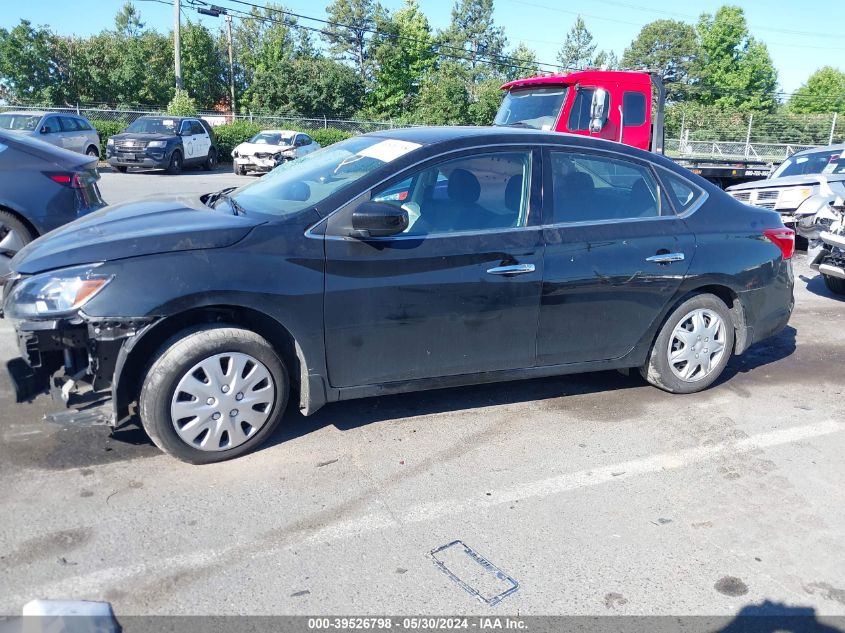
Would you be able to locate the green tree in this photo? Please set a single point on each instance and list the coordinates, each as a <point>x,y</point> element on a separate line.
<point>182,104</point>
<point>351,21</point>
<point>524,63</point>
<point>578,47</point>
<point>606,60</point>
<point>28,69</point>
<point>666,47</point>
<point>403,56</point>
<point>474,37</point>
<point>488,96</point>
<point>824,91</point>
<point>734,70</point>
<point>444,98</point>
<point>204,70</point>
<point>127,22</point>
<point>309,88</point>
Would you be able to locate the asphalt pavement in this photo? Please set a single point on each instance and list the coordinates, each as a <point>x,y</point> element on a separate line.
<point>597,494</point>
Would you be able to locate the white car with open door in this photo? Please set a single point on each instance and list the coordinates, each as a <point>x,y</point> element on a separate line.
<point>270,148</point>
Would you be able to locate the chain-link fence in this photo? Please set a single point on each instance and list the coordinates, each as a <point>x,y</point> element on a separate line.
<point>127,116</point>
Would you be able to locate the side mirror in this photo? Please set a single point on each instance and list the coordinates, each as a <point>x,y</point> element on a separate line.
<point>44,129</point>
<point>378,219</point>
<point>597,113</point>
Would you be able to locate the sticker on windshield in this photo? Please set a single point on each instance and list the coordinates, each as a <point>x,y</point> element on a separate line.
<point>829,168</point>
<point>389,150</point>
<point>168,122</point>
<point>801,159</point>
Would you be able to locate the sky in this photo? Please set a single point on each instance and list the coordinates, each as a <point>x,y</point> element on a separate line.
<point>801,36</point>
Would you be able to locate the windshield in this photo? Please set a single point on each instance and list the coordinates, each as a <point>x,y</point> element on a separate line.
<point>832,162</point>
<point>146,125</point>
<point>24,122</point>
<point>306,181</point>
<point>272,138</point>
<point>532,107</point>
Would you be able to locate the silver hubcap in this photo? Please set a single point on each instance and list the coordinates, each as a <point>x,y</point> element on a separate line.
<point>697,345</point>
<point>222,401</point>
<point>10,243</point>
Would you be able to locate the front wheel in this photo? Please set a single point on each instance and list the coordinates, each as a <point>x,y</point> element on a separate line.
<point>175,166</point>
<point>213,393</point>
<point>240,170</point>
<point>693,347</point>
<point>211,161</point>
<point>834,284</point>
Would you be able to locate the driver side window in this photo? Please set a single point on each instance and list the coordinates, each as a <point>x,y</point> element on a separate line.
<point>473,193</point>
<point>185,128</point>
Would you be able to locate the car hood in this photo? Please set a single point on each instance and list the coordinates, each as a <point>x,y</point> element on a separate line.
<point>249,149</point>
<point>145,227</point>
<point>790,181</point>
<point>142,137</point>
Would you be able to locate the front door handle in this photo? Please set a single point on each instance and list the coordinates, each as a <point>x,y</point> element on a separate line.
<point>515,269</point>
<point>665,258</point>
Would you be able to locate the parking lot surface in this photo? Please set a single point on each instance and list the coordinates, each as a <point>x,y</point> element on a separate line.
<point>597,493</point>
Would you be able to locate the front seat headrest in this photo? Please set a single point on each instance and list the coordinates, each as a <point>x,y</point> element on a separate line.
<point>513,192</point>
<point>463,186</point>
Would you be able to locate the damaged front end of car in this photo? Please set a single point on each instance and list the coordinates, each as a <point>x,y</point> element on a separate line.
<point>64,351</point>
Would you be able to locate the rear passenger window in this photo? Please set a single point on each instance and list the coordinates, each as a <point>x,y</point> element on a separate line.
<point>633,107</point>
<point>69,124</point>
<point>83,124</point>
<point>197,128</point>
<point>682,193</point>
<point>592,188</point>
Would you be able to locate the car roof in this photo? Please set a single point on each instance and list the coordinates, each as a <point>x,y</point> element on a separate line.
<point>280,132</point>
<point>28,112</point>
<point>827,148</point>
<point>461,135</point>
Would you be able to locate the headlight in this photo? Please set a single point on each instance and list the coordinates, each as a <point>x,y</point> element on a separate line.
<point>110,142</point>
<point>791,198</point>
<point>157,144</point>
<point>55,294</point>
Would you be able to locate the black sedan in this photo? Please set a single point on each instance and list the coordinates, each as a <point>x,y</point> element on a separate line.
<point>42,187</point>
<point>394,262</point>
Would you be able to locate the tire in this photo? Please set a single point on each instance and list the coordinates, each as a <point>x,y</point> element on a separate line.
<point>239,170</point>
<point>175,165</point>
<point>169,381</point>
<point>696,313</point>
<point>834,284</point>
<point>14,235</point>
<point>211,160</point>
<point>122,168</point>
<point>93,152</point>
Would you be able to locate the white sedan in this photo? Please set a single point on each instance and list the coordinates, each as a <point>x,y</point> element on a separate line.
<point>269,148</point>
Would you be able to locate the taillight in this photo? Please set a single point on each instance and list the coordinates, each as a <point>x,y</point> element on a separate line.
<point>784,239</point>
<point>67,179</point>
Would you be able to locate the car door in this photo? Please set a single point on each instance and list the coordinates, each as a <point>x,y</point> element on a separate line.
<point>51,130</point>
<point>457,292</point>
<point>73,138</point>
<point>615,254</point>
<point>187,134</point>
<point>202,142</point>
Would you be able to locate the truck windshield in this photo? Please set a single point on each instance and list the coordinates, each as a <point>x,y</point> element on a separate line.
<point>831,162</point>
<point>532,107</point>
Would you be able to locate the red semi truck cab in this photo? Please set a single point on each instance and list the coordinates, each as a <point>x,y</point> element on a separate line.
<point>568,103</point>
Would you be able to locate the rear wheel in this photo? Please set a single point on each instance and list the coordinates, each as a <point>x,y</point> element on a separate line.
<point>14,235</point>
<point>122,168</point>
<point>211,161</point>
<point>93,152</point>
<point>213,393</point>
<point>834,284</point>
<point>693,346</point>
<point>175,166</point>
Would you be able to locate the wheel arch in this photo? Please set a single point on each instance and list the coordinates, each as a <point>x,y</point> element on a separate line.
<point>139,351</point>
<point>22,219</point>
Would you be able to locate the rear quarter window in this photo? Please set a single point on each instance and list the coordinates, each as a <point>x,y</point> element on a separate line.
<point>682,193</point>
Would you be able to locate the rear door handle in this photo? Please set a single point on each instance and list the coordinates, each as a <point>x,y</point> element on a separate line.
<point>515,269</point>
<point>665,258</point>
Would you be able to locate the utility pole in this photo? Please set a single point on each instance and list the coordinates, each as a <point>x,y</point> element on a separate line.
<point>177,42</point>
<point>215,12</point>
<point>231,66</point>
<point>832,129</point>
